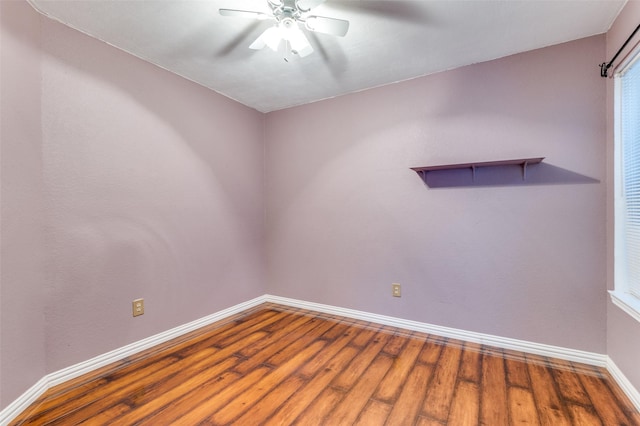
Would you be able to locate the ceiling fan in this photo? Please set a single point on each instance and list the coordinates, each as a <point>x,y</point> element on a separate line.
<point>289,16</point>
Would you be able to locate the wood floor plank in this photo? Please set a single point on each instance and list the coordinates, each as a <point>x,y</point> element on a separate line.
<point>300,339</point>
<point>317,412</point>
<point>188,373</point>
<point>238,405</point>
<point>465,407</point>
<point>273,400</point>
<point>238,325</point>
<point>517,372</point>
<point>273,365</point>
<point>343,325</point>
<point>437,403</point>
<point>375,413</point>
<point>431,352</point>
<point>308,394</point>
<point>396,343</point>
<point>471,366</point>
<point>583,416</point>
<point>152,399</point>
<point>56,403</point>
<point>285,330</point>
<point>347,411</point>
<point>173,410</point>
<point>107,416</point>
<point>216,373</point>
<point>425,421</point>
<point>284,342</point>
<point>409,402</point>
<point>522,407</point>
<point>551,408</point>
<point>231,333</point>
<point>604,402</point>
<point>493,392</point>
<point>231,336</point>
<point>365,336</point>
<point>391,385</point>
<point>110,393</point>
<point>289,316</point>
<point>214,398</point>
<point>311,368</point>
<point>56,400</point>
<point>346,379</point>
<point>569,384</point>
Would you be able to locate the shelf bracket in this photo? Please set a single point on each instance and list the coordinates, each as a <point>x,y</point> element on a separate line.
<point>524,170</point>
<point>473,172</point>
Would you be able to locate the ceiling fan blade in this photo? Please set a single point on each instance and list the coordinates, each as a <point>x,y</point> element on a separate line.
<point>244,14</point>
<point>320,24</point>
<point>306,5</point>
<point>270,37</point>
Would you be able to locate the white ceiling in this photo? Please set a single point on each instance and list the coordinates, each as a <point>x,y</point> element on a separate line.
<point>388,41</point>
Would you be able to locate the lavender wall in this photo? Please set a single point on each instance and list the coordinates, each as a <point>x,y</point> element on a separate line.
<point>153,191</point>
<point>150,187</point>
<point>346,216</point>
<point>120,180</point>
<point>623,332</point>
<point>22,255</point>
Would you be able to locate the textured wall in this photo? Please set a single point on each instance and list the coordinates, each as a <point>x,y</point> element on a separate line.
<point>153,191</point>
<point>22,253</point>
<point>346,216</point>
<point>133,182</point>
<point>623,332</point>
<point>120,180</point>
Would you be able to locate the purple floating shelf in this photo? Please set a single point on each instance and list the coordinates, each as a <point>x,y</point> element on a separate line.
<point>524,162</point>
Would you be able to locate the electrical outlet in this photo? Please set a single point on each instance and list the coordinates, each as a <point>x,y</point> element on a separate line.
<point>395,289</point>
<point>138,307</point>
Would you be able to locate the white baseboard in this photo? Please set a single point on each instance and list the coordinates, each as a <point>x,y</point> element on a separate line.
<point>624,383</point>
<point>58,377</point>
<point>61,376</point>
<point>12,410</point>
<point>574,355</point>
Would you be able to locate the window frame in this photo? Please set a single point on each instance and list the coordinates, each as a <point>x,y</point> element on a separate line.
<point>621,295</point>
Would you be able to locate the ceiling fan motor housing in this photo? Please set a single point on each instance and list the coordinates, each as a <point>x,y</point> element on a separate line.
<point>283,9</point>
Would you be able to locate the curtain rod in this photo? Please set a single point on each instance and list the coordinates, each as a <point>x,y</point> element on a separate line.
<point>604,67</point>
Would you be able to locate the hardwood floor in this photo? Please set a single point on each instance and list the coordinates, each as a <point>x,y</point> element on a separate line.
<point>277,366</point>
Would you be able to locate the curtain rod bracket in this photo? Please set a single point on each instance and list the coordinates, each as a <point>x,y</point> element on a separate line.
<point>604,69</point>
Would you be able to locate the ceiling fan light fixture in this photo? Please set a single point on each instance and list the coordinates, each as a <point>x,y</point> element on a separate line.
<point>292,33</point>
<point>290,15</point>
<point>271,38</point>
<point>299,43</point>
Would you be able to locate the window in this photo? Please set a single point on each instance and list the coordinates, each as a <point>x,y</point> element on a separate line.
<point>627,189</point>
